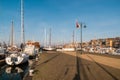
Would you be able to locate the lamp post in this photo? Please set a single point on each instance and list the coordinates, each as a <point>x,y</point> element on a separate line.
<point>80,25</point>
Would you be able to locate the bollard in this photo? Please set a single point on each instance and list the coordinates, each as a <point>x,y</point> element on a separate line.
<point>31,72</point>
<point>36,59</point>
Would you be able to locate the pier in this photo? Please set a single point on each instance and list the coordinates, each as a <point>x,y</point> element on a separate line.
<point>74,66</point>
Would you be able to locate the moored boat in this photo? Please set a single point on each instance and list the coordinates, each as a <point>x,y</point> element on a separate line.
<point>16,58</point>
<point>2,53</point>
<point>68,49</point>
<point>49,48</point>
<point>32,48</point>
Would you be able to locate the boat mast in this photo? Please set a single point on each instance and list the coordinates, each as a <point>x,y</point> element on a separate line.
<point>45,39</point>
<point>12,34</point>
<point>22,23</point>
<point>50,38</point>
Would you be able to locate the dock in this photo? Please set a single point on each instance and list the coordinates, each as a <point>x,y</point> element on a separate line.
<point>75,66</point>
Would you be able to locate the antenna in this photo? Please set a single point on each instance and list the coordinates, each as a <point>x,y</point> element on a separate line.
<point>22,23</point>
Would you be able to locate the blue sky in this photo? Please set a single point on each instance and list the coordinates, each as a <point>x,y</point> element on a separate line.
<point>102,18</point>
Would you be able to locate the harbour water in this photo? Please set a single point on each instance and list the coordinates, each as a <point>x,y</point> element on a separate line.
<point>13,72</point>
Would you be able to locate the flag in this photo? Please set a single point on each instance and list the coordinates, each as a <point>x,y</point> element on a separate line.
<point>77,25</point>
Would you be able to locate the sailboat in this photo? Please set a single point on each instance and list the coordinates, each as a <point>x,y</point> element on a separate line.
<point>70,46</point>
<point>49,48</point>
<point>15,57</point>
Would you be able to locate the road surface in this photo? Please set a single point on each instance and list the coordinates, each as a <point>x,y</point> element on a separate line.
<point>74,66</point>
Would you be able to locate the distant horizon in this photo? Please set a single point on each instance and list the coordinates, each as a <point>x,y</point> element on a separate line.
<point>102,18</point>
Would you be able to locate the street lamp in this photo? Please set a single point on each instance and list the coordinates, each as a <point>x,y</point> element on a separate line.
<point>80,25</point>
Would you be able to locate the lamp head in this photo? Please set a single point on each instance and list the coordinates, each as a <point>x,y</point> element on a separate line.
<point>84,26</point>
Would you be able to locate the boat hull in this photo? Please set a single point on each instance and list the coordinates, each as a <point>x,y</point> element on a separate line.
<point>49,49</point>
<point>31,50</point>
<point>68,49</point>
<point>15,59</point>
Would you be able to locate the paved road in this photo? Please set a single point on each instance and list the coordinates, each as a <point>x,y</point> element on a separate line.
<point>56,66</point>
<point>97,67</point>
<point>74,66</point>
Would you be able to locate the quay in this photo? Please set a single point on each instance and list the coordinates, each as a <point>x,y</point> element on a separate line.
<point>54,65</point>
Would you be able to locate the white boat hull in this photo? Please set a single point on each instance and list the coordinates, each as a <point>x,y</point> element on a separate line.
<point>31,50</point>
<point>68,49</point>
<point>15,59</point>
<point>49,48</point>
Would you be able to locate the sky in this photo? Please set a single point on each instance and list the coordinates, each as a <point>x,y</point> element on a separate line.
<point>102,18</point>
